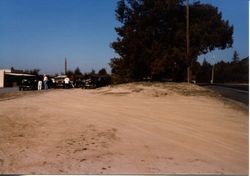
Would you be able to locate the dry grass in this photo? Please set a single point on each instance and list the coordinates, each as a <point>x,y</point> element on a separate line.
<point>164,89</point>
<point>159,89</point>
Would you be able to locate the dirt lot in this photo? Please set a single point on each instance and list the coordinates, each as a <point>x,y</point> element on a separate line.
<point>131,128</point>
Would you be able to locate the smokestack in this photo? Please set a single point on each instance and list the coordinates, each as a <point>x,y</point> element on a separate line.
<point>65,66</point>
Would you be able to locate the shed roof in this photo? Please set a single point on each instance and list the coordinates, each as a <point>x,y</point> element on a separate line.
<point>19,74</point>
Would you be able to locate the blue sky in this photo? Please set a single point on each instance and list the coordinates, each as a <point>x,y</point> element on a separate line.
<point>41,33</point>
<point>236,12</point>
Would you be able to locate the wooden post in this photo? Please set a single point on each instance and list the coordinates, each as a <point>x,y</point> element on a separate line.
<point>189,73</point>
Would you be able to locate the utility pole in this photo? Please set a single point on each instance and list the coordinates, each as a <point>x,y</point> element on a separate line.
<point>189,72</point>
<point>212,80</point>
<point>65,66</point>
<point>212,77</point>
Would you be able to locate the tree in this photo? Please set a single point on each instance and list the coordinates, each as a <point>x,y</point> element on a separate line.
<point>236,57</point>
<point>34,71</point>
<point>77,71</point>
<point>92,72</point>
<point>102,72</point>
<point>232,72</point>
<point>152,37</point>
<point>221,72</point>
<point>204,75</point>
<point>69,73</point>
<point>225,72</point>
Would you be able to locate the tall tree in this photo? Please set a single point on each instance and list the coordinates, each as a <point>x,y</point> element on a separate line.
<point>70,73</point>
<point>92,72</point>
<point>77,71</point>
<point>204,75</point>
<point>152,37</point>
<point>236,57</point>
<point>102,72</point>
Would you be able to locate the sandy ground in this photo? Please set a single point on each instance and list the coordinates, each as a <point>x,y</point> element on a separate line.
<point>126,129</point>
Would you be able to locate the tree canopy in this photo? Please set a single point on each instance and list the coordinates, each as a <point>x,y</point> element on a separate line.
<point>152,37</point>
<point>34,71</point>
<point>224,72</point>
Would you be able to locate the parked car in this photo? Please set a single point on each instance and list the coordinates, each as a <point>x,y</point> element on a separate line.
<point>28,84</point>
<point>89,83</point>
<point>60,82</point>
<point>78,83</point>
<point>103,81</point>
<point>96,81</point>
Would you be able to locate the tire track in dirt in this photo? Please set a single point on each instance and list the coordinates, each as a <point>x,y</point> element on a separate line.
<point>91,145</point>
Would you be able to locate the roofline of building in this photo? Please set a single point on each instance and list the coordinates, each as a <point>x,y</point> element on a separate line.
<point>18,74</point>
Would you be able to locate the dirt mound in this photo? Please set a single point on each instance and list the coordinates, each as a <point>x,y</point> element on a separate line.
<point>156,89</point>
<point>123,129</point>
<point>12,95</point>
